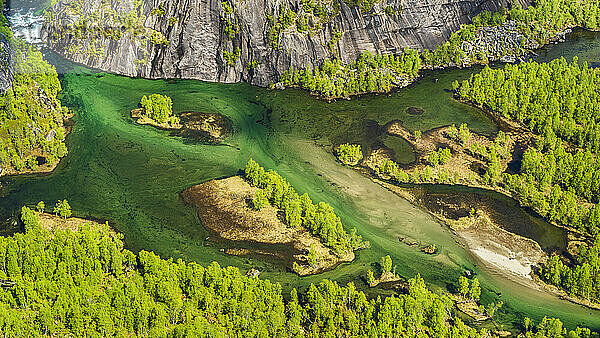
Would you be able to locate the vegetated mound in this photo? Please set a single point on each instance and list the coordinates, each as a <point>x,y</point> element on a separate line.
<point>224,207</point>
<point>32,122</point>
<point>140,117</point>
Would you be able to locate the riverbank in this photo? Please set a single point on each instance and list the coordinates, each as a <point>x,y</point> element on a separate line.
<point>515,256</point>
<point>503,39</point>
<point>484,234</point>
<point>223,207</point>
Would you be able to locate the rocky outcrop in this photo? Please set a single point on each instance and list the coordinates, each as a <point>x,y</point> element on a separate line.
<point>6,64</point>
<point>505,42</point>
<point>233,41</point>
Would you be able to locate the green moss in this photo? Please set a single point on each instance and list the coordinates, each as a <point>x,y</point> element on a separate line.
<point>231,57</point>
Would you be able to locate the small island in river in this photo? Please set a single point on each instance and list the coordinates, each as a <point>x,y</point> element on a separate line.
<point>261,211</point>
<point>224,207</point>
<point>157,111</point>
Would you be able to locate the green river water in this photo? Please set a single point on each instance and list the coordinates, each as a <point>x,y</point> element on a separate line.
<point>132,175</point>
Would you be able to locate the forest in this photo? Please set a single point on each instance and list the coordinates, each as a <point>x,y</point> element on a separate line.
<point>31,115</point>
<point>560,174</point>
<point>83,282</point>
<point>320,219</point>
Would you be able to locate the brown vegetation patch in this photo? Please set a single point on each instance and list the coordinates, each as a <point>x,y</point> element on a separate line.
<point>470,308</point>
<point>464,166</point>
<point>208,127</point>
<point>415,111</point>
<point>54,222</point>
<point>388,280</point>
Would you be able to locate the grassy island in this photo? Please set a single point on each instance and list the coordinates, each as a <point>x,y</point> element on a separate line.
<point>388,275</point>
<point>157,110</point>
<point>263,208</point>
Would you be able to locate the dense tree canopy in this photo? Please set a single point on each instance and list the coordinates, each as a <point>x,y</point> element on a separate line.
<point>370,73</point>
<point>560,175</point>
<point>83,283</point>
<point>157,107</point>
<point>319,218</point>
<point>380,73</point>
<point>349,154</point>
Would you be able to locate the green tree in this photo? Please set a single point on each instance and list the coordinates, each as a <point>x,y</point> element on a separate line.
<point>349,154</point>
<point>260,199</point>
<point>463,286</point>
<point>475,290</point>
<point>527,323</point>
<point>40,206</point>
<point>417,135</point>
<point>370,277</point>
<point>464,134</point>
<point>386,264</point>
<point>62,209</point>
<point>157,107</point>
<point>312,256</point>
<point>491,308</point>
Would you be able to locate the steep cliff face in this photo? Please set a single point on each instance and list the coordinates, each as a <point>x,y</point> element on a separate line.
<point>246,40</point>
<point>6,65</point>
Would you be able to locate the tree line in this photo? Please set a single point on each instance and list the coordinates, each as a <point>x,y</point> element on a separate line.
<point>320,219</point>
<point>84,283</point>
<point>369,73</point>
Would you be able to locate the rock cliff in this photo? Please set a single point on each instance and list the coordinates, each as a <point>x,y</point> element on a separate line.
<point>246,40</point>
<point>6,64</point>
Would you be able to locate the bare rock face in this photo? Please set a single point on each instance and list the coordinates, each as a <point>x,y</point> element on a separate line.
<point>6,65</point>
<point>234,40</point>
<point>500,42</point>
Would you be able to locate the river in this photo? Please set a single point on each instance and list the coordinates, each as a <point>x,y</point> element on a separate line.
<point>132,175</point>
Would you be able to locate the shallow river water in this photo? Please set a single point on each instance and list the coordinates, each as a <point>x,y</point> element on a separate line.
<point>132,175</point>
